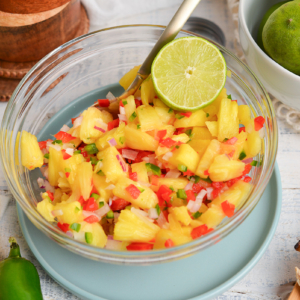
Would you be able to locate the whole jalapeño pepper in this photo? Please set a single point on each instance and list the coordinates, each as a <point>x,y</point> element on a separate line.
<point>19,279</point>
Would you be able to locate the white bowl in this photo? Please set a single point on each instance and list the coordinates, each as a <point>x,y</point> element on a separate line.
<point>281,83</point>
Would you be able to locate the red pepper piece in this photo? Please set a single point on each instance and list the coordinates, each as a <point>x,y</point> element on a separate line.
<point>51,196</point>
<point>163,194</point>
<point>67,174</point>
<point>63,226</point>
<point>242,129</point>
<point>186,114</point>
<point>73,120</point>
<point>113,124</point>
<point>103,102</point>
<point>190,195</point>
<point>90,205</point>
<point>43,144</point>
<point>152,241</point>
<point>247,169</point>
<point>84,153</point>
<point>217,185</point>
<point>200,230</point>
<point>197,188</point>
<point>154,180</point>
<point>119,204</point>
<point>133,176</point>
<point>64,136</point>
<point>169,243</point>
<point>188,173</point>
<point>228,208</point>
<point>206,172</point>
<point>215,193</point>
<point>94,190</point>
<point>65,155</point>
<point>137,102</point>
<point>233,181</point>
<point>139,247</point>
<point>168,142</point>
<point>179,131</point>
<point>247,179</point>
<point>121,103</point>
<point>81,200</point>
<point>161,134</point>
<point>141,155</point>
<point>91,219</point>
<point>231,141</point>
<point>259,123</point>
<point>133,191</point>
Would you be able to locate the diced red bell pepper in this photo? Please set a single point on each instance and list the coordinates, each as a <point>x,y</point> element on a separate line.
<point>133,176</point>
<point>200,230</point>
<point>103,102</point>
<point>137,102</point>
<point>197,188</point>
<point>169,243</point>
<point>228,208</point>
<point>215,193</point>
<point>119,204</point>
<point>259,123</point>
<point>90,205</point>
<point>186,114</point>
<point>63,226</point>
<point>231,141</point>
<point>51,196</point>
<point>73,120</point>
<point>81,200</point>
<point>231,153</point>
<point>231,182</point>
<point>91,219</point>
<point>179,131</point>
<point>204,184</point>
<point>217,185</point>
<point>247,179</point>
<point>161,134</point>
<point>64,136</point>
<point>164,193</point>
<point>139,247</point>
<point>65,155</point>
<point>43,144</point>
<point>188,173</point>
<point>113,124</point>
<point>154,180</point>
<point>121,103</point>
<point>133,191</point>
<point>234,101</point>
<point>84,153</point>
<point>190,195</point>
<point>152,241</point>
<point>94,190</point>
<point>247,169</point>
<point>206,172</point>
<point>168,142</point>
<point>67,174</point>
<point>141,155</point>
<point>242,129</point>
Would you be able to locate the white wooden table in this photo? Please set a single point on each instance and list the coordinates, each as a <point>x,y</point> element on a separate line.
<point>273,276</point>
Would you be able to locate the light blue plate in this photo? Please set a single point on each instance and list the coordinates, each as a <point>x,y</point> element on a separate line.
<point>202,276</point>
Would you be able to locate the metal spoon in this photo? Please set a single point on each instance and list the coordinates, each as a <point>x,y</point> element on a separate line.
<point>169,34</point>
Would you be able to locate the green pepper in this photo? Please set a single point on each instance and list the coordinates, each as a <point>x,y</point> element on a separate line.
<point>19,278</point>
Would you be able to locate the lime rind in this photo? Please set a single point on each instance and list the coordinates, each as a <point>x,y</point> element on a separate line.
<point>189,78</point>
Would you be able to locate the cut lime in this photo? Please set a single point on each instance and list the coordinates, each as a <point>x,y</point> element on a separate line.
<point>188,73</point>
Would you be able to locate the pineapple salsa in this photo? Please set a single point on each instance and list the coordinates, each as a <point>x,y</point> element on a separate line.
<point>150,177</point>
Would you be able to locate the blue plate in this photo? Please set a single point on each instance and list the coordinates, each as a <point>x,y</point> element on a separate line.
<point>201,276</point>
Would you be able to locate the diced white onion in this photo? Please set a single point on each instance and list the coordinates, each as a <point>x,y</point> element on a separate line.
<point>112,142</point>
<point>189,186</point>
<point>248,160</point>
<point>57,212</point>
<point>162,222</point>
<point>200,196</point>
<point>144,183</point>
<point>109,201</point>
<point>79,236</point>
<point>141,214</point>
<point>110,187</point>
<point>77,122</point>
<point>87,214</point>
<point>114,198</point>
<point>55,146</point>
<point>68,145</point>
<point>173,174</point>
<point>65,128</point>
<point>152,159</point>
<point>129,154</point>
<point>110,96</point>
<point>190,205</point>
<point>159,164</point>
<point>152,213</point>
<point>122,110</point>
<point>102,211</point>
<point>70,151</point>
<point>122,117</point>
<point>113,245</point>
<point>209,193</point>
<point>145,159</point>
<point>49,187</point>
<point>195,207</point>
<point>167,156</point>
<point>102,124</point>
<point>41,183</point>
<point>122,163</point>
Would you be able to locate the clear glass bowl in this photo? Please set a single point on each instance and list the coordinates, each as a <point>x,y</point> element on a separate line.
<point>96,60</point>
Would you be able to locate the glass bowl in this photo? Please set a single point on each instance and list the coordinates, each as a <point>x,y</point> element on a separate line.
<point>97,60</point>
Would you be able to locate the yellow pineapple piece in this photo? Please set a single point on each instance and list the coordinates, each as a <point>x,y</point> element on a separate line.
<point>57,196</point>
<point>166,115</point>
<point>88,133</point>
<point>182,137</point>
<point>117,133</point>
<point>174,225</point>
<point>99,237</point>
<point>253,144</point>
<point>147,199</point>
<point>245,188</point>
<point>55,166</point>
<point>111,165</point>
<point>178,238</point>
<point>160,151</point>
<point>128,78</point>
<point>132,228</point>
<point>147,91</point>
<point>213,108</point>
<point>45,207</point>
<point>157,102</point>
<point>177,202</point>
<point>224,169</point>
<point>129,107</point>
<point>106,116</point>
<point>31,155</point>
<point>176,183</point>
<point>181,214</point>
<point>239,145</point>
<point>141,170</point>
<point>170,130</point>
<point>137,139</point>
<point>213,216</point>
<point>186,156</point>
<point>72,212</point>
<point>199,145</point>
<point>207,158</point>
<point>70,165</point>
<point>100,184</point>
<point>84,179</point>
<point>195,223</point>
<point>148,118</point>
<point>64,184</point>
<point>249,126</point>
<point>228,121</point>
<point>197,118</point>
<point>244,114</point>
<point>212,127</point>
<point>75,132</point>
<point>201,133</point>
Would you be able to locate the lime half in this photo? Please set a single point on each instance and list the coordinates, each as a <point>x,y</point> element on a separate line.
<point>188,73</point>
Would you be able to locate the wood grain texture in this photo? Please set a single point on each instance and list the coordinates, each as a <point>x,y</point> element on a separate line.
<point>30,43</point>
<point>29,6</point>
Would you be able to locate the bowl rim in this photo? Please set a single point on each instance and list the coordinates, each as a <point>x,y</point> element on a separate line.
<point>153,256</point>
<point>272,62</point>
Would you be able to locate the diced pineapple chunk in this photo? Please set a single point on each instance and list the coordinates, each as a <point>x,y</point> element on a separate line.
<point>212,127</point>
<point>72,212</point>
<point>99,237</point>
<point>31,155</point>
<point>175,183</point>
<point>181,214</point>
<point>186,156</point>
<point>147,91</point>
<point>213,216</point>
<point>84,175</point>
<point>244,114</point>
<point>147,199</point>
<point>201,133</point>
<point>210,153</point>
<point>117,133</point>
<point>137,139</point>
<point>197,118</point>
<point>199,145</point>
<point>148,118</point>
<point>100,184</point>
<point>128,78</point>
<point>213,108</point>
<point>132,228</point>
<point>177,237</point>
<point>88,133</point>
<point>57,196</point>
<point>223,168</point>
<point>239,145</point>
<point>55,165</point>
<point>165,114</point>
<point>64,184</point>
<point>158,103</point>
<point>253,144</point>
<point>174,223</point>
<point>111,164</point>
<point>45,208</point>
<point>228,121</point>
<point>106,116</point>
<point>182,137</point>
<point>141,170</point>
<point>129,107</point>
<point>70,166</point>
<point>196,223</point>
